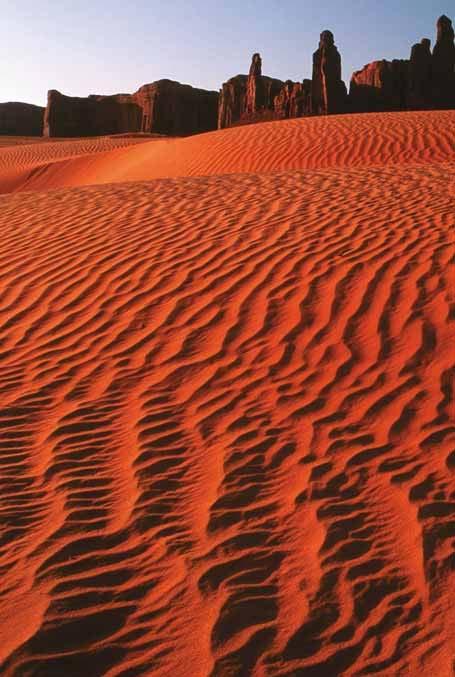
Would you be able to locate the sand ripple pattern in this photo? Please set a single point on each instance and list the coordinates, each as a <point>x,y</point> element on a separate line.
<point>24,161</point>
<point>363,140</point>
<point>227,445</point>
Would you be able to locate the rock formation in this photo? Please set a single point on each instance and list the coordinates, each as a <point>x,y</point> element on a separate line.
<point>294,100</point>
<point>328,89</point>
<point>419,86</point>
<point>260,90</point>
<point>379,86</point>
<point>261,93</point>
<point>164,107</point>
<point>256,65</point>
<point>425,81</point>
<point>232,100</point>
<point>443,65</point>
<point>255,91</point>
<point>177,110</point>
<point>21,119</point>
<point>67,116</point>
<point>258,97</point>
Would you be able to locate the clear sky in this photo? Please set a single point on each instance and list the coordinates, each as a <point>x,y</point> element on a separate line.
<point>82,47</point>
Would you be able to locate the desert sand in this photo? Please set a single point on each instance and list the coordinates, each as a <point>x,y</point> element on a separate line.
<point>226,402</point>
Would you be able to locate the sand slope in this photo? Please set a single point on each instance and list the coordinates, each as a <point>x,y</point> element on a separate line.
<point>226,406</point>
<point>375,139</point>
<point>23,161</point>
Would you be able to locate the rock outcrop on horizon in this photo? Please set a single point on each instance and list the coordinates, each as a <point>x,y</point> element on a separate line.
<point>378,86</point>
<point>425,81</point>
<point>232,99</point>
<point>294,100</point>
<point>420,67</point>
<point>248,98</point>
<point>443,65</point>
<point>257,97</point>
<point>328,92</point>
<point>174,109</point>
<point>21,119</point>
<point>71,116</point>
<point>162,107</point>
<point>260,89</point>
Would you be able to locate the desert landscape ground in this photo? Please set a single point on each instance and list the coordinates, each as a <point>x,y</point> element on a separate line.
<point>226,401</point>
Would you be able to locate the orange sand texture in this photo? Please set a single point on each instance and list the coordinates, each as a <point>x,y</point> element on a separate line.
<point>226,402</point>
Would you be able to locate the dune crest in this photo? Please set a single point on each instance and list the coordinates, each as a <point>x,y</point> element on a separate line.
<point>227,406</point>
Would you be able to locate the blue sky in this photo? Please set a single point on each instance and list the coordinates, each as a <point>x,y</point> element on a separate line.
<point>106,47</point>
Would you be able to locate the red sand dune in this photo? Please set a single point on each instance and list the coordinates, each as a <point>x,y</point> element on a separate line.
<point>226,405</point>
<point>24,160</point>
<point>376,139</point>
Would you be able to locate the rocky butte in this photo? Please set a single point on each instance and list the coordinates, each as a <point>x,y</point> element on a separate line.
<point>21,119</point>
<point>294,100</point>
<point>424,81</point>
<point>258,97</point>
<point>248,98</point>
<point>443,65</point>
<point>328,91</point>
<point>162,107</point>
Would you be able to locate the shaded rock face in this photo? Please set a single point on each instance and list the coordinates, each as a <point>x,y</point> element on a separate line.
<point>419,86</point>
<point>21,119</point>
<point>380,86</point>
<point>256,65</point>
<point>294,100</point>
<point>443,64</point>
<point>260,94</point>
<point>257,97</point>
<point>328,89</point>
<point>253,97</point>
<point>164,107</point>
<point>171,108</point>
<point>427,80</point>
<point>70,116</point>
<point>248,98</point>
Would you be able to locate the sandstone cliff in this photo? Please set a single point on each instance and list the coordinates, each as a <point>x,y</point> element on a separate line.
<point>328,92</point>
<point>232,100</point>
<point>379,86</point>
<point>171,108</point>
<point>21,119</point>
<point>255,97</point>
<point>90,116</point>
<point>420,69</point>
<point>443,65</point>
<point>294,100</point>
<point>164,107</point>
<point>426,80</point>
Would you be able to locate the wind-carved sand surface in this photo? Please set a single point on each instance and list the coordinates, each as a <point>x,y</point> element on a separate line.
<point>226,406</point>
<point>362,140</point>
<point>25,161</point>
